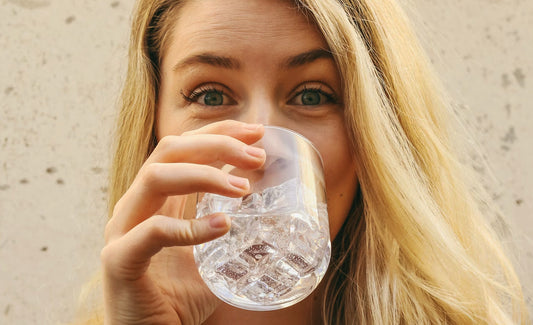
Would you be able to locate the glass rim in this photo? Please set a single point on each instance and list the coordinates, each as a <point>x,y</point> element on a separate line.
<point>299,135</point>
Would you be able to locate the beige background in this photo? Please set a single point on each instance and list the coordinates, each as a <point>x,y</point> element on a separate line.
<point>61,65</point>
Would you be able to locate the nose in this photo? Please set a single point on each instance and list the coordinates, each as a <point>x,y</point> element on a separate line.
<point>262,109</point>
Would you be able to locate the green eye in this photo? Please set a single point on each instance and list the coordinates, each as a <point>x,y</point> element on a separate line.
<point>213,98</point>
<point>311,97</point>
<point>208,95</point>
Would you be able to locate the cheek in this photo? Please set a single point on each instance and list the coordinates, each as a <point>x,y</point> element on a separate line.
<point>339,169</point>
<point>334,147</point>
<point>341,178</point>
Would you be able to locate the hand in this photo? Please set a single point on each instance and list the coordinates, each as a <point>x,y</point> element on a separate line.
<point>150,275</point>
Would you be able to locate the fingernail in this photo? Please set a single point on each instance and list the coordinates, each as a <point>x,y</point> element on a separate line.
<point>219,221</point>
<point>239,182</point>
<point>252,127</point>
<point>255,152</point>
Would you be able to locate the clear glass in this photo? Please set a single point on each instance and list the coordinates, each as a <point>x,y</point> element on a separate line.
<point>278,248</point>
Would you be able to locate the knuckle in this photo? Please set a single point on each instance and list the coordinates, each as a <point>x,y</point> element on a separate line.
<point>188,232</point>
<point>108,256</point>
<point>166,143</point>
<point>115,262</point>
<point>150,174</point>
<point>156,227</point>
<point>163,229</point>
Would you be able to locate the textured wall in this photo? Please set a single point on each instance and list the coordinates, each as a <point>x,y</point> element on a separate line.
<point>61,64</point>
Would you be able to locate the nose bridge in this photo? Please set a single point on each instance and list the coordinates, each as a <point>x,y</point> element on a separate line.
<point>262,108</point>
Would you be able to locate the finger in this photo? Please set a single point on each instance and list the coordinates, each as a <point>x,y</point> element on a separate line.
<point>207,149</point>
<point>157,181</point>
<point>164,180</point>
<point>245,132</point>
<point>128,257</point>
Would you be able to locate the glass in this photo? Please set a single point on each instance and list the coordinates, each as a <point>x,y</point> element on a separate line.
<point>278,248</point>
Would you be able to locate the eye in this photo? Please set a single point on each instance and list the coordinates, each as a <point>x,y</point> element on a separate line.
<point>213,98</point>
<point>310,97</point>
<point>313,97</point>
<point>208,95</point>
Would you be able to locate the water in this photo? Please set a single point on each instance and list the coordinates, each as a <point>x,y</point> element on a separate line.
<point>269,260</point>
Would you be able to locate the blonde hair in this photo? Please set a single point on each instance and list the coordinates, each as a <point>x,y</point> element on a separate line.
<point>415,248</point>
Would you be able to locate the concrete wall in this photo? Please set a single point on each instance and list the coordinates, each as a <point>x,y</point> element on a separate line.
<point>61,65</point>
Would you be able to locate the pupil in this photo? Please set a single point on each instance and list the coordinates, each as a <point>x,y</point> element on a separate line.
<point>213,98</point>
<point>310,98</point>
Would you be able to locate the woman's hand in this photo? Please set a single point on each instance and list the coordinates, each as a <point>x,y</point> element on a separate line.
<point>150,275</point>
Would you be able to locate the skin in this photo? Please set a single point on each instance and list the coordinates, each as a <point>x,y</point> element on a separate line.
<point>230,67</point>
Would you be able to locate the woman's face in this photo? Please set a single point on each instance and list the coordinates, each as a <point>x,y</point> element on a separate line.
<point>259,62</point>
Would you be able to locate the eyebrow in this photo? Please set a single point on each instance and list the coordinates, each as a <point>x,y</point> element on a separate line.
<point>307,57</point>
<point>234,64</point>
<point>209,59</point>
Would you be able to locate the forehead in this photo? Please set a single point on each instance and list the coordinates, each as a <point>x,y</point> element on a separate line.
<point>247,27</point>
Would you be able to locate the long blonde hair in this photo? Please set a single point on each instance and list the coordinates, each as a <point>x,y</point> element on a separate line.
<point>415,248</point>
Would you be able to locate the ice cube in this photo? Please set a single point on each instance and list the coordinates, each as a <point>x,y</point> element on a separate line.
<point>219,203</point>
<point>257,252</point>
<point>276,226</point>
<point>256,290</point>
<point>298,263</point>
<point>276,287</point>
<point>252,203</point>
<point>232,270</point>
<point>285,271</point>
<point>281,197</point>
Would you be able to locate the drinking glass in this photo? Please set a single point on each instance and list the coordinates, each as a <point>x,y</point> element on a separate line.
<point>278,248</point>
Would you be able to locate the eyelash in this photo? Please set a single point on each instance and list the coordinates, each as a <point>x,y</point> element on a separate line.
<point>194,95</point>
<point>331,98</point>
<point>202,90</point>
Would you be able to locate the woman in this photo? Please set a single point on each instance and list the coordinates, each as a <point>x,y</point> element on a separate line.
<point>410,244</point>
